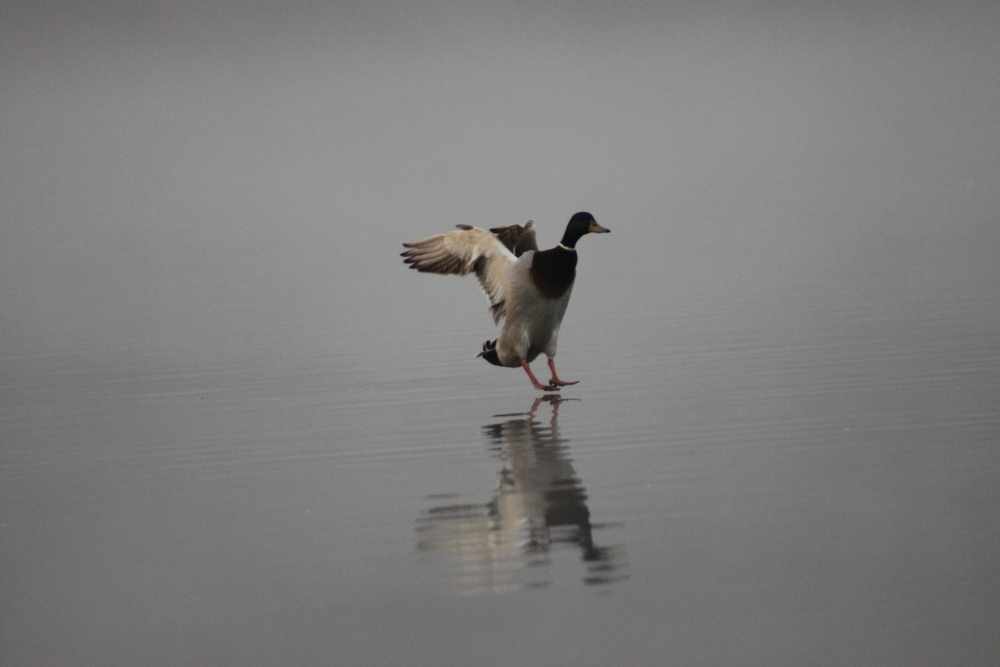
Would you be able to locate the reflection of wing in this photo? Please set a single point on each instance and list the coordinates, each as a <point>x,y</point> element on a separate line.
<point>469,249</point>
<point>517,238</point>
<point>485,553</point>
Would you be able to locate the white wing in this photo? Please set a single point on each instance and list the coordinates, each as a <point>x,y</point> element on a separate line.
<point>467,250</point>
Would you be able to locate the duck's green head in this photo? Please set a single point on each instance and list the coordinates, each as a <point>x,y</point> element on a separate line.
<point>581,223</point>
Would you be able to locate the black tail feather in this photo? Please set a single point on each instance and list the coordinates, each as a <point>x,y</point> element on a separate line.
<point>489,353</point>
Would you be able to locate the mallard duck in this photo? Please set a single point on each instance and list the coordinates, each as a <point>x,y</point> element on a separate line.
<point>527,287</point>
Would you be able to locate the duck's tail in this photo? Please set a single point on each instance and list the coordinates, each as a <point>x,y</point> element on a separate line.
<point>489,353</point>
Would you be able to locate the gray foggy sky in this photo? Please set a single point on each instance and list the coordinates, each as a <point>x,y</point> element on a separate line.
<point>181,175</point>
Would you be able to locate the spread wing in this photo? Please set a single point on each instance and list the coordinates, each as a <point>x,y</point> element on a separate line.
<point>517,238</point>
<point>467,250</point>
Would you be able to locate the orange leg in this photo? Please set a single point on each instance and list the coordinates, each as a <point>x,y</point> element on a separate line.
<point>555,377</point>
<point>534,380</point>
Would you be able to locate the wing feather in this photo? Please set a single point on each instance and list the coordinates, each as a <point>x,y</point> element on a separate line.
<point>517,238</point>
<point>465,251</point>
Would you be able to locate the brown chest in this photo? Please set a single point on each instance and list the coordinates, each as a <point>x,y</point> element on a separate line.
<point>553,272</point>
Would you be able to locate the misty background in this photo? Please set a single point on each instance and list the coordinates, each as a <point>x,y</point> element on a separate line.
<point>234,428</point>
<point>189,180</point>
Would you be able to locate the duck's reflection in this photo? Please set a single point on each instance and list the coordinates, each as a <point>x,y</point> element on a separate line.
<point>539,503</point>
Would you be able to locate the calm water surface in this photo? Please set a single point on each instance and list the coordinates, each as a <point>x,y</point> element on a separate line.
<point>813,478</point>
